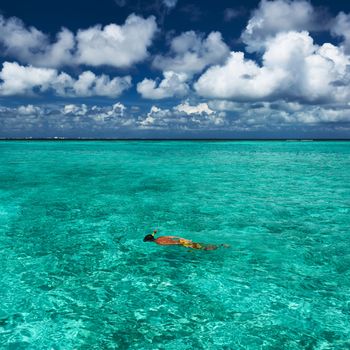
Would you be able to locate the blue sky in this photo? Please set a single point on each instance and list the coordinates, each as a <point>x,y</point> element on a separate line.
<point>167,68</point>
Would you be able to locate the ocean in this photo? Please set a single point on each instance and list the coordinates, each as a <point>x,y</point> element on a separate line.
<point>76,274</point>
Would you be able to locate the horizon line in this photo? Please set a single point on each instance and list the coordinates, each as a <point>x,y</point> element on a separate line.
<point>168,139</point>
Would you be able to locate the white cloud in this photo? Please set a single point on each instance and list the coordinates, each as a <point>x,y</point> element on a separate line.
<point>196,109</point>
<point>273,17</point>
<point>281,114</point>
<point>34,120</point>
<point>89,84</point>
<point>58,54</point>
<point>319,115</point>
<point>18,40</point>
<point>239,79</point>
<point>216,115</point>
<point>341,27</point>
<point>25,80</point>
<point>115,112</point>
<point>173,85</point>
<point>116,45</point>
<point>184,117</point>
<point>190,53</point>
<point>29,110</point>
<point>33,46</point>
<point>102,115</point>
<point>313,73</point>
<point>20,80</point>
<point>293,67</point>
<point>75,109</point>
<point>156,117</point>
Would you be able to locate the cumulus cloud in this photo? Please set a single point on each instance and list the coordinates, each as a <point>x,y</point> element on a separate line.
<point>239,79</point>
<point>190,53</point>
<point>236,116</point>
<point>201,108</point>
<point>82,119</point>
<point>156,117</point>
<point>114,45</point>
<point>19,40</point>
<point>279,115</point>
<point>183,117</point>
<point>20,80</point>
<point>29,110</point>
<point>341,28</point>
<point>273,17</point>
<point>172,85</point>
<point>89,84</point>
<point>293,67</point>
<point>294,81</point>
<point>33,46</point>
<point>58,54</point>
<point>102,115</point>
<point>74,109</point>
<point>26,80</point>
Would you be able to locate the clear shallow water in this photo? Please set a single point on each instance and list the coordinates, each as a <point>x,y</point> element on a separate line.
<point>76,274</point>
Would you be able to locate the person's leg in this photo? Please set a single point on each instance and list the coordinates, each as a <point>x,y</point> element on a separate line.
<point>193,245</point>
<point>201,246</point>
<point>210,247</point>
<point>214,247</point>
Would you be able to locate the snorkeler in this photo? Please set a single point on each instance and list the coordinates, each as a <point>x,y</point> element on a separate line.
<point>174,240</point>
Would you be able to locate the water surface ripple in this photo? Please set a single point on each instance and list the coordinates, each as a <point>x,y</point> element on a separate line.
<point>76,274</point>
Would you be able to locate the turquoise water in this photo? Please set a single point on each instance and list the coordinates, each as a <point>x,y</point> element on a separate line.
<point>76,274</point>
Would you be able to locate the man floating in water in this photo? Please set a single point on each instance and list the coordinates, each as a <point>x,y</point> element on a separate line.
<point>174,240</point>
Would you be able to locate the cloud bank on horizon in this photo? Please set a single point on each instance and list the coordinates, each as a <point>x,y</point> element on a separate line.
<point>282,77</point>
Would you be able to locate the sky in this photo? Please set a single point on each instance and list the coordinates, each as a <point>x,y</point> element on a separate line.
<point>175,69</point>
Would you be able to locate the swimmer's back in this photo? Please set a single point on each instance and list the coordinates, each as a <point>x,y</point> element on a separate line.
<point>170,240</point>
